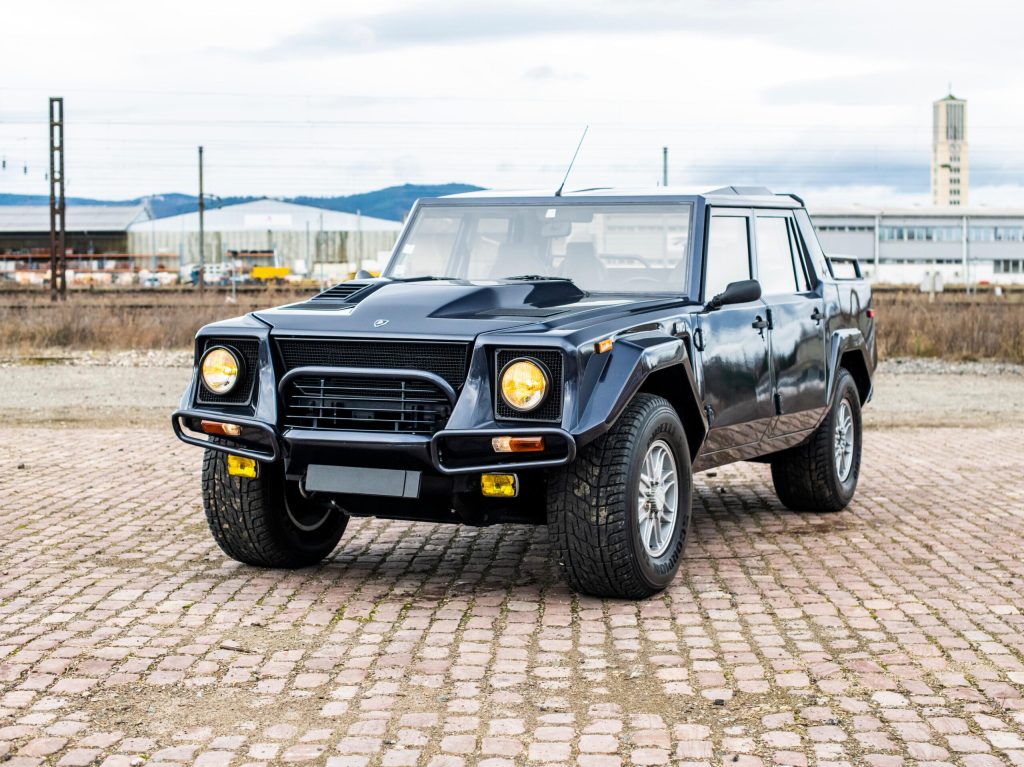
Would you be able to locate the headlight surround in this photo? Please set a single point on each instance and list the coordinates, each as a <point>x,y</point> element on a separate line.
<point>220,369</point>
<point>524,383</point>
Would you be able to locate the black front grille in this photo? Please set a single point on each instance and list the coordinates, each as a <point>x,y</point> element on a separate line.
<point>551,408</point>
<point>446,359</point>
<point>349,403</point>
<point>248,351</point>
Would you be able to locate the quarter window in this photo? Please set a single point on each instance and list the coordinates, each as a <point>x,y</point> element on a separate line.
<point>728,254</point>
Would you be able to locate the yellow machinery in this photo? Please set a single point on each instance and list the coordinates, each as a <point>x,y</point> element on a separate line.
<point>269,273</point>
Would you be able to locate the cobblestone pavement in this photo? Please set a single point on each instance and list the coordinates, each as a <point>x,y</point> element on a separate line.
<point>889,634</point>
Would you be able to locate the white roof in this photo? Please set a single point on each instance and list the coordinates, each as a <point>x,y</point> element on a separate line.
<point>80,218</point>
<point>264,215</point>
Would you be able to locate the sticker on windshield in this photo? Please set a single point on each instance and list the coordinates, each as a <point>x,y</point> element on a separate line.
<point>550,213</point>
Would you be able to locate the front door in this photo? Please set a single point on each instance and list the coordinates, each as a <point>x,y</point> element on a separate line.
<point>798,324</point>
<point>736,374</point>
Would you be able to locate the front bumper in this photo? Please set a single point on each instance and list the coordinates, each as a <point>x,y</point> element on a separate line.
<point>448,452</point>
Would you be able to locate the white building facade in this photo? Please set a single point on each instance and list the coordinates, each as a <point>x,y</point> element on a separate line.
<point>964,246</point>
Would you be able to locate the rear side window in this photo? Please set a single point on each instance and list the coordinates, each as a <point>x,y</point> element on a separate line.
<point>728,254</point>
<point>810,239</point>
<point>775,267</point>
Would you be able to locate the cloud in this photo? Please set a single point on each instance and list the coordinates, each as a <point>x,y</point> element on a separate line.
<point>546,72</point>
<point>891,87</point>
<point>459,21</point>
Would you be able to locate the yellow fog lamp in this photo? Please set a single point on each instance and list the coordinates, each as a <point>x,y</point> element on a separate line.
<point>220,370</point>
<point>524,384</point>
<point>242,467</point>
<point>499,485</point>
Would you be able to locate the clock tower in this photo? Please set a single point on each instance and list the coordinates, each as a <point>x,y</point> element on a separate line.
<point>950,171</point>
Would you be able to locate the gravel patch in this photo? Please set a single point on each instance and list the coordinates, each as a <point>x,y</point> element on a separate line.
<point>933,366</point>
<point>134,358</point>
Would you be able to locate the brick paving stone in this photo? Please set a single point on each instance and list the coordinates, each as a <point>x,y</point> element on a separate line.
<point>889,635</point>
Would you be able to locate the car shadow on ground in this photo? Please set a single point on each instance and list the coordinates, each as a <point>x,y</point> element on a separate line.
<point>435,561</point>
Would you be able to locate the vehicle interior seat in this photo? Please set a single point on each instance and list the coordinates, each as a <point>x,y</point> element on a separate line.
<point>518,258</point>
<point>584,267</point>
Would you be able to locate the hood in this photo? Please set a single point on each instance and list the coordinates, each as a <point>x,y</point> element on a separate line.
<point>450,309</point>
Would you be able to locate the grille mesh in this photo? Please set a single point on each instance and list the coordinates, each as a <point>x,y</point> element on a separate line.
<point>447,360</point>
<point>338,403</point>
<point>551,408</point>
<point>248,350</point>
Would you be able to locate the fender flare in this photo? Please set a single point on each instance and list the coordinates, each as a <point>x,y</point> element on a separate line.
<point>842,342</point>
<point>610,382</point>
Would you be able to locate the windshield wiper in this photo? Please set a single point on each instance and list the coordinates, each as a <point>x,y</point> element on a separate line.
<point>421,279</point>
<point>537,278</point>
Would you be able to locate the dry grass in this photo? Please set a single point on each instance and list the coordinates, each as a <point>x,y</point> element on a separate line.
<point>112,322</point>
<point>953,327</point>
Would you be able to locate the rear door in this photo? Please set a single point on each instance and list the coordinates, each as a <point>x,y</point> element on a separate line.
<point>797,323</point>
<point>734,340</point>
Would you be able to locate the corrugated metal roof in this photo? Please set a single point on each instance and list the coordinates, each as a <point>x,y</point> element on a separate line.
<point>268,215</point>
<point>80,218</point>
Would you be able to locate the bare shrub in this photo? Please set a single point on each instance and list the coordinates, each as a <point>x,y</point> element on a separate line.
<point>954,327</point>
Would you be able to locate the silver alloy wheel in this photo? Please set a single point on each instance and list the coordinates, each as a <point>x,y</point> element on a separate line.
<point>658,498</point>
<point>843,440</point>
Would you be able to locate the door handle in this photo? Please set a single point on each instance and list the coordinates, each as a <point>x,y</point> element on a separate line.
<point>759,323</point>
<point>817,316</point>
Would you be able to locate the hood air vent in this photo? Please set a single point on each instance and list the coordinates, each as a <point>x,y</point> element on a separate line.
<point>340,292</point>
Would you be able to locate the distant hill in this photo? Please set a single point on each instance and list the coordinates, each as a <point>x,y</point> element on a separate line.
<point>391,203</point>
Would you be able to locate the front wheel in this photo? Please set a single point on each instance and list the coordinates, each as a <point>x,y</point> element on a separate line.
<point>619,515</point>
<point>821,474</point>
<point>265,521</point>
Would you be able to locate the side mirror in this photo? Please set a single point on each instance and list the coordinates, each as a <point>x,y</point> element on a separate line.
<point>740,292</point>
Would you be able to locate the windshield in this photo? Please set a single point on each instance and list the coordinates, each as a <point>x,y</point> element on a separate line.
<point>604,248</point>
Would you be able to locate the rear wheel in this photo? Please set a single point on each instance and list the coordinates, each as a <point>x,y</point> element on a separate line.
<point>265,521</point>
<point>821,474</point>
<point>619,515</point>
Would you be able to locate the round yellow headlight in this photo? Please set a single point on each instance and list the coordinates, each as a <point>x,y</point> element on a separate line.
<point>524,384</point>
<point>220,370</point>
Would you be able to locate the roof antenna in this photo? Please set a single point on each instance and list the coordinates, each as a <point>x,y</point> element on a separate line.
<point>573,160</point>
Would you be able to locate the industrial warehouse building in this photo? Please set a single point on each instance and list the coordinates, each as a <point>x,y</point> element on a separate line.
<point>306,239</point>
<point>95,236</point>
<point>907,245</point>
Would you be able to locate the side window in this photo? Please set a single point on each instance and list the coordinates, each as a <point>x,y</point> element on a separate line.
<point>728,254</point>
<point>775,268</point>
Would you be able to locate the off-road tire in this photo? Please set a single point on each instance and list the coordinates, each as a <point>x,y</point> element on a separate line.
<point>592,506</point>
<point>251,524</point>
<point>805,476</point>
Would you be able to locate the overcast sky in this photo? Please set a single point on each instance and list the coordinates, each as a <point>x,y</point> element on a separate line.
<point>825,98</point>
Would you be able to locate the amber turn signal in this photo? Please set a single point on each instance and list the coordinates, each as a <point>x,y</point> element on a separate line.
<point>517,444</point>
<point>499,485</point>
<point>223,429</point>
<point>242,467</point>
<point>604,346</point>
